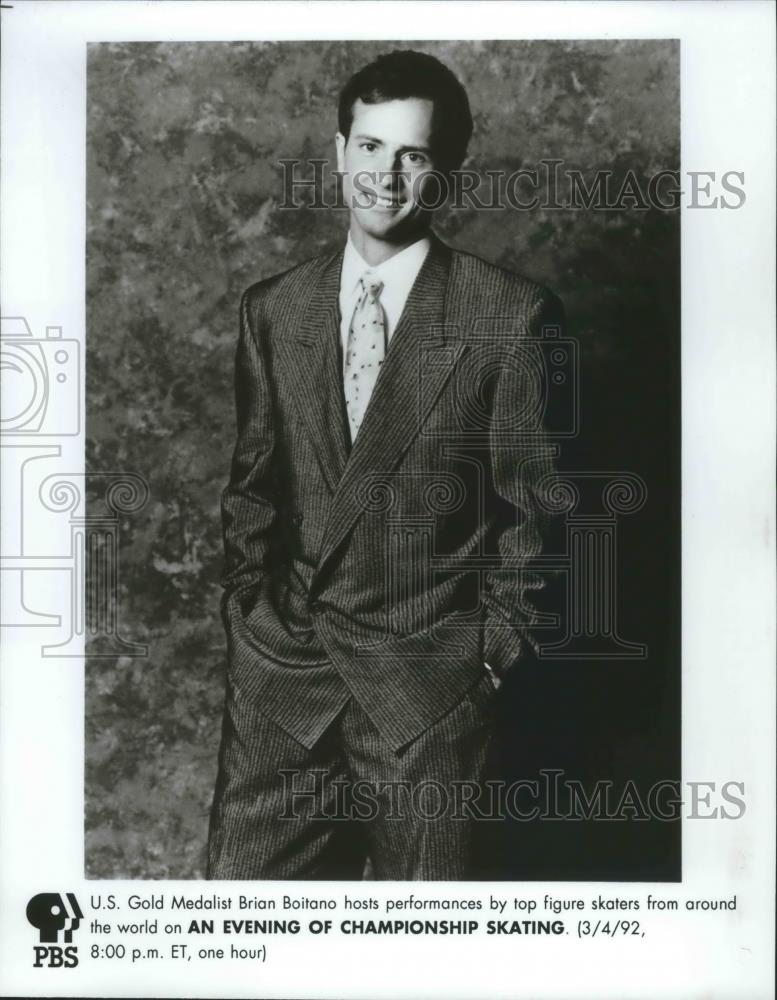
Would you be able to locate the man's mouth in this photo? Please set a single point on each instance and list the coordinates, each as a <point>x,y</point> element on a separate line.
<point>381,202</point>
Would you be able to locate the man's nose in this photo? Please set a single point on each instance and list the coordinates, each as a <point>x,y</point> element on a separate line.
<point>391,174</point>
<point>392,178</point>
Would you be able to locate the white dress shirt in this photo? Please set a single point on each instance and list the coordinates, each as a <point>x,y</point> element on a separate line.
<point>398,274</point>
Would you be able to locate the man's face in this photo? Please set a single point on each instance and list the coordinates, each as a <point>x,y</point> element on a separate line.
<point>385,163</point>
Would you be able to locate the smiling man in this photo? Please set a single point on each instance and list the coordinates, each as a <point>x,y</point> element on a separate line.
<point>385,157</point>
<point>383,514</point>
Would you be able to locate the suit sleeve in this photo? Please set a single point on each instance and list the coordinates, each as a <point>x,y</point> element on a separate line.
<point>523,466</point>
<point>248,503</point>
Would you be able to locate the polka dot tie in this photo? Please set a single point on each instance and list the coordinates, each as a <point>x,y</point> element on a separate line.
<point>366,349</point>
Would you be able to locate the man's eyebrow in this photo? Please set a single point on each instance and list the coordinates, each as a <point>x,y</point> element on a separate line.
<point>416,149</point>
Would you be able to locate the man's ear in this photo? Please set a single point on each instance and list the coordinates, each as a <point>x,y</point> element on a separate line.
<point>340,142</point>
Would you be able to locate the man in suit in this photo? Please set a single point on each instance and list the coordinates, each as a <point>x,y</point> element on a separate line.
<point>384,509</point>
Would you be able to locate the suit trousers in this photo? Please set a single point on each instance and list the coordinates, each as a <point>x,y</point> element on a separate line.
<point>282,811</point>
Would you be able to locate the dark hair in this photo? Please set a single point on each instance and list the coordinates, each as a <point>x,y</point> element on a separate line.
<point>402,74</point>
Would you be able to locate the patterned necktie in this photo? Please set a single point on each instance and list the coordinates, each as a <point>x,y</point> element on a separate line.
<point>365,351</point>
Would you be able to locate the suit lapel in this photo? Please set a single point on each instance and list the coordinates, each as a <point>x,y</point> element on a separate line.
<point>312,359</point>
<point>420,358</point>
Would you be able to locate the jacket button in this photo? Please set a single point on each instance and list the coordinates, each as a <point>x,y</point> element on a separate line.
<point>296,520</point>
<point>317,608</point>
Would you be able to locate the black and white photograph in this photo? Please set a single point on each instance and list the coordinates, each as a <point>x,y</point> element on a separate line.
<point>450,560</point>
<point>388,532</point>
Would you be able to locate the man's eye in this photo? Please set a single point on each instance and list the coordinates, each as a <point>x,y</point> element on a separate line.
<point>415,158</point>
<point>369,147</point>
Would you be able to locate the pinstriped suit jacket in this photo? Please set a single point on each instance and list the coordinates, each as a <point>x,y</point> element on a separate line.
<point>389,571</point>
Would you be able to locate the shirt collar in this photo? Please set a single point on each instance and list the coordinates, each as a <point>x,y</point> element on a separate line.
<point>398,272</point>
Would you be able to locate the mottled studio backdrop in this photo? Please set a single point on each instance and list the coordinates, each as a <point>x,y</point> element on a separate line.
<point>183,195</point>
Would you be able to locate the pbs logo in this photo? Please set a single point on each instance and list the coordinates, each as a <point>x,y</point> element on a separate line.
<point>56,917</point>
